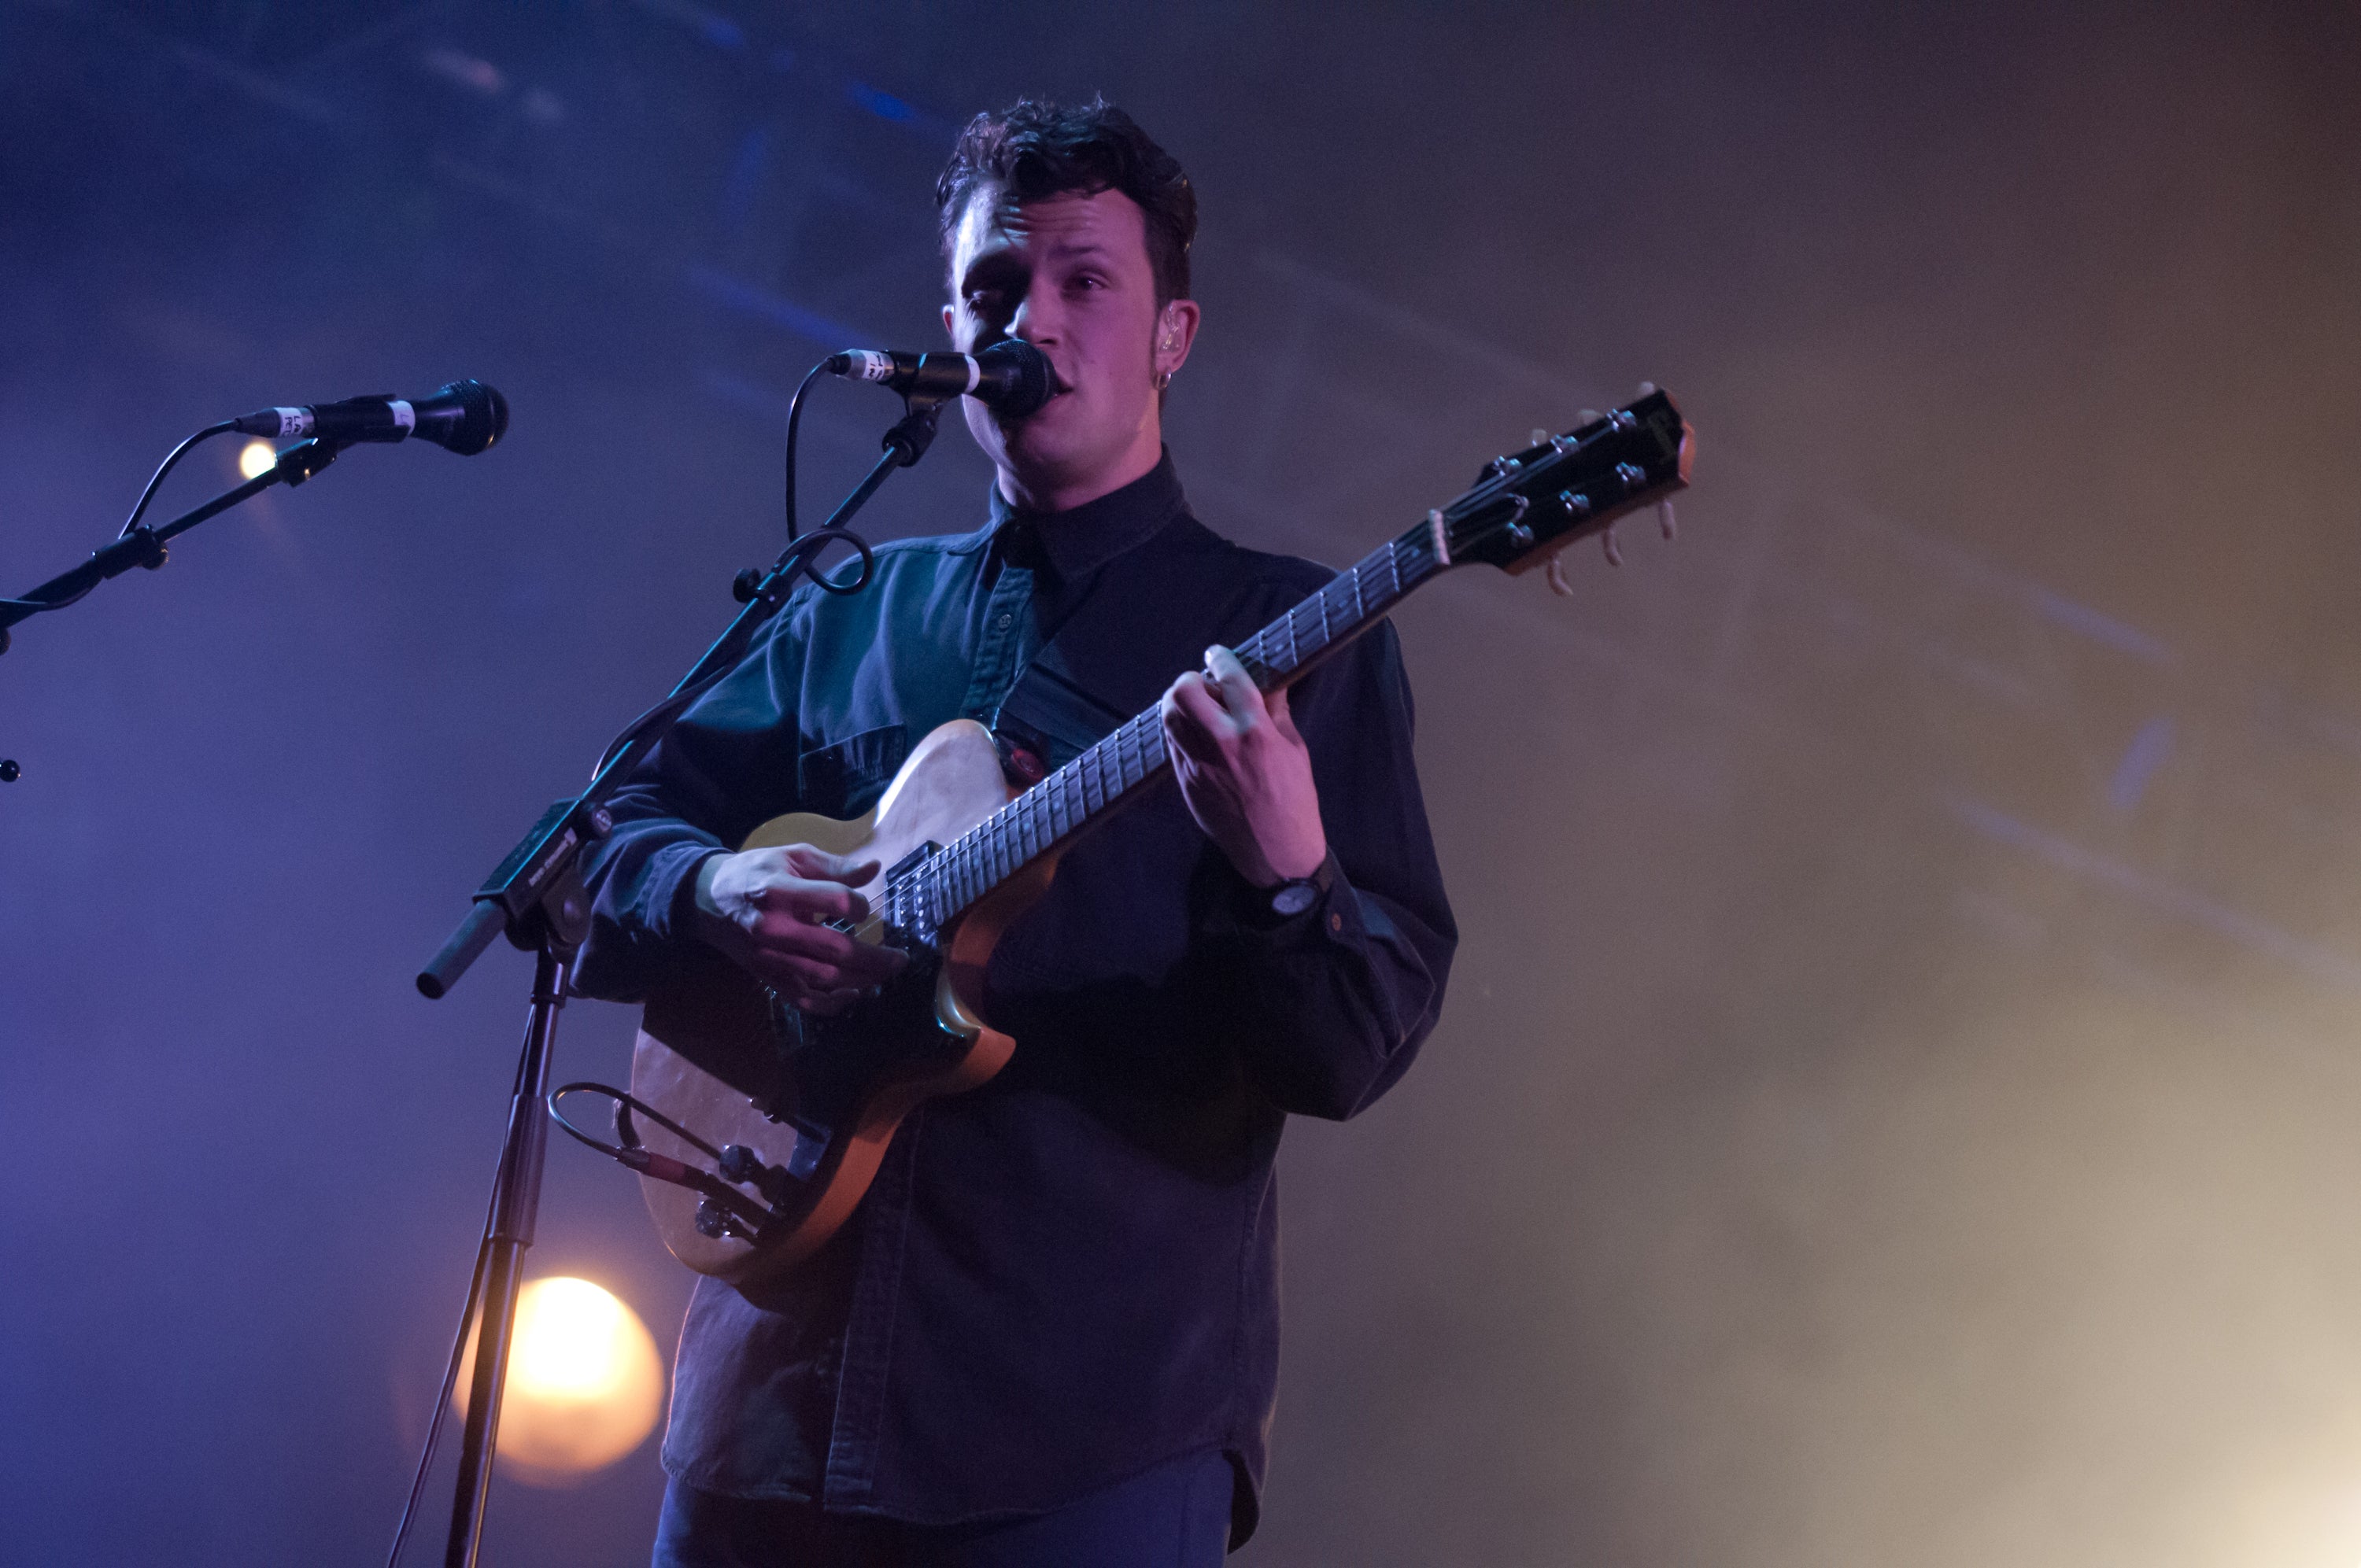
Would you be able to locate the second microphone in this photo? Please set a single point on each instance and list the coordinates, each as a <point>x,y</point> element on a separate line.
<point>1012,375</point>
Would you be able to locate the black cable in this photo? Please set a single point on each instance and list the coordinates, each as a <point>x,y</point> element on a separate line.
<point>632,1102</point>
<point>794,418</point>
<point>156,483</point>
<point>801,552</point>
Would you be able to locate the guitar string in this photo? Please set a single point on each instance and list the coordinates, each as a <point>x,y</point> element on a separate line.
<point>971,865</point>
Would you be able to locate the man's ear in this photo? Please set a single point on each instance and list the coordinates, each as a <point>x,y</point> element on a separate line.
<point>1176,329</point>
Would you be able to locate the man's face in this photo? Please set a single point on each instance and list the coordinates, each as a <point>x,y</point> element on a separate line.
<point>1069,274</point>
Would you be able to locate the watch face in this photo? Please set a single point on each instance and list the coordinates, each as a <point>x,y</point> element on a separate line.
<point>1293,898</point>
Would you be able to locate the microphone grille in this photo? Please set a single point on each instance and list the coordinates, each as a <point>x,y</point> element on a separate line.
<point>1029,372</point>
<point>483,417</point>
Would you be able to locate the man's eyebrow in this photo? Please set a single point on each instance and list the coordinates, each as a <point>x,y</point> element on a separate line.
<point>989,264</point>
<point>1081,250</point>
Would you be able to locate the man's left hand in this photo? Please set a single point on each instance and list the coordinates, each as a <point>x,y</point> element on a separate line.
<point>1245,772</point>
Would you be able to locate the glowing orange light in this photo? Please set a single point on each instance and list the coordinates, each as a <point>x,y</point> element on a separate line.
<point>254,458</point>
<point>584,1383</point>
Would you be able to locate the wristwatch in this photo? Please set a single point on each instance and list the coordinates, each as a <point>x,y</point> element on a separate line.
<point>1273,905</point>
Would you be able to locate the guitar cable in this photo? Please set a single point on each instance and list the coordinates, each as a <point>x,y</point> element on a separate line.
<point>628,1151</point>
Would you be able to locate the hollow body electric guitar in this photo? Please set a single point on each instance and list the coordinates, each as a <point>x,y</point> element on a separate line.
<point>759,1128</point>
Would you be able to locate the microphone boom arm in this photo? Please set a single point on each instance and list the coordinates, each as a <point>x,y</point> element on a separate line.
<point>145,546</point>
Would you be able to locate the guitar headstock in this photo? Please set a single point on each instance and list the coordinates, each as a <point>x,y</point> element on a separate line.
<point>1528,506</point>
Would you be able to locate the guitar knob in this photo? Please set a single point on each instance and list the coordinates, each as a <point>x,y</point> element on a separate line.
<point>712,1219</point>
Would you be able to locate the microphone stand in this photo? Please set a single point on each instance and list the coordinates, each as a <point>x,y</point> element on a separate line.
<point>144,546</point>
<point>535,896</point>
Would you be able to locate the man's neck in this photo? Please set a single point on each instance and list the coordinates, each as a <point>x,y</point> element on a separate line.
<point>1064,492</point>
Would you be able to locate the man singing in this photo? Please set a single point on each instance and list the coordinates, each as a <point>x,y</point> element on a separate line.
<point>1050,1332</point>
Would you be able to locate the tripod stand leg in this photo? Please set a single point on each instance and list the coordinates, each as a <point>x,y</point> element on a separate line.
<point>516,1202</point>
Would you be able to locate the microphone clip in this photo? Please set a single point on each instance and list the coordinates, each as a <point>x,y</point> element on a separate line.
<point>305,458</point>
<point>915,431</point>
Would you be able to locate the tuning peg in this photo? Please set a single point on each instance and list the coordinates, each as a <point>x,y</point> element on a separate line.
<point>1540,438</point>
<point>1614,551</point>
<point>1590,416</point>
<point>1664,520</point>
<point>1557,576</point>
<point>1646,388</point>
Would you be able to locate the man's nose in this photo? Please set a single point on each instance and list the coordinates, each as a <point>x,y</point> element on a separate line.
<point>1036,319</point>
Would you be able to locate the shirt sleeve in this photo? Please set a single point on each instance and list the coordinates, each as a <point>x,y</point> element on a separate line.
<point>1329,1006</point>
<point>728,766</point>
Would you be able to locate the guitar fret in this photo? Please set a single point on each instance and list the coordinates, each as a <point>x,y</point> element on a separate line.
<point>1060,805</point>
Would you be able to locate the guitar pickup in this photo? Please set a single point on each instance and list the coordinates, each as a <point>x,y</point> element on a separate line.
<point>912,861</point>
<point>904,914</point>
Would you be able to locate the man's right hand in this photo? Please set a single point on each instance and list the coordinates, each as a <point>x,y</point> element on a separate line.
<point>764,908</point>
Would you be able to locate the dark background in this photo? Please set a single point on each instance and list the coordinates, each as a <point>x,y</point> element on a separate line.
<point>1897,1100</point>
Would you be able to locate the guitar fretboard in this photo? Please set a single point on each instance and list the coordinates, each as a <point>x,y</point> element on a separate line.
<point>1120,767</point>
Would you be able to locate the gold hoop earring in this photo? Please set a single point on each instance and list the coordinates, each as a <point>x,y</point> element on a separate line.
<point>1163,380</point>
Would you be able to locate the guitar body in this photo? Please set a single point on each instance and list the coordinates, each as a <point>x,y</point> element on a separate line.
<point>818,1099</point>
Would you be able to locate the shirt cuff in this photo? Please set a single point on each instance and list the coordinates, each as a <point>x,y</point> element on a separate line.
<point>1246,907</point>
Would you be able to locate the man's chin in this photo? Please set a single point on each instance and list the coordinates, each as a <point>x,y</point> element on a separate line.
<point>1036,451</point>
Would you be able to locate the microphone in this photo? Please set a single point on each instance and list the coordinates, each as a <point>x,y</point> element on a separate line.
<point>1012,375</point>
<point>466,416</point>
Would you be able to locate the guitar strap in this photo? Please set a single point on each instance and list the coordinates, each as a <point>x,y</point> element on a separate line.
<point>1142,630</point>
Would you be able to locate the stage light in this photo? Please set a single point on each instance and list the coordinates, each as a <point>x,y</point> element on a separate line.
<point>254,458</point>
<point>584,1383</point>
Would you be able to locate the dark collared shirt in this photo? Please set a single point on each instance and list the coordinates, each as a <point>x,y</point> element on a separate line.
<point>1069,1274</point>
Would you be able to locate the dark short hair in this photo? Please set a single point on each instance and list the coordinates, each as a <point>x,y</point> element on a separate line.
<point>1036,148</point>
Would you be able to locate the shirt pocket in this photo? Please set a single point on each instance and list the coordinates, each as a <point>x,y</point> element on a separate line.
<point>845,777</point>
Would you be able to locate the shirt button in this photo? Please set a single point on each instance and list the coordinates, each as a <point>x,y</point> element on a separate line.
<point>1004,622</point>
<point>1335,922</point>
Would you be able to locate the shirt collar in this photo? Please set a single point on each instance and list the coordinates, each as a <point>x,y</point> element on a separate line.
<point>1082,539</point>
